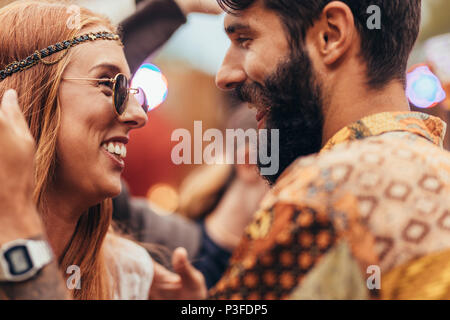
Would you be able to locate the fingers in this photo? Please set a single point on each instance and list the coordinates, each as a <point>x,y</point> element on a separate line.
<point>184,268</point>
<point>164,276</point>
<point>192,279</point>
<point>10,102</point>
<point>188,273</point>
<point>180,263</point>
<point>165,285</point>
<point>11,110</point>
<point>199,6</point>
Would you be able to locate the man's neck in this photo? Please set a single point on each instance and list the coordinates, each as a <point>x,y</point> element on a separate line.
<point>348,106</point>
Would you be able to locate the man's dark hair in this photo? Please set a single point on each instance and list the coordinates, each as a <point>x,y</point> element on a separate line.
<point>385,51</point>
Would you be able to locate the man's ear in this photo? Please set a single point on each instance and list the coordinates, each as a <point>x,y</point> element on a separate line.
<point>335,32</point>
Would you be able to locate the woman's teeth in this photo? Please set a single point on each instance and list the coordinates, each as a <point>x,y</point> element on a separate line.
<point>116,148</point>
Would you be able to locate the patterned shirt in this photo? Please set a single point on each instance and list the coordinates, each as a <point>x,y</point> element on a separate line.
<point>354,221</point>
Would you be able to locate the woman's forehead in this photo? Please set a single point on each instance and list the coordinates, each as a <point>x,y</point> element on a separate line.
<point>99,54</point>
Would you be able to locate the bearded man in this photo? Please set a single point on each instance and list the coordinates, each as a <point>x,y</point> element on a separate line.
<point>361,196</point>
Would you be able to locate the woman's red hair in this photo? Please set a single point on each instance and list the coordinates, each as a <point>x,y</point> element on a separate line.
<point>33,25</point>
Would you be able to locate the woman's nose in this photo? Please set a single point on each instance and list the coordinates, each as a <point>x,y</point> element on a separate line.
<point>134,115</point>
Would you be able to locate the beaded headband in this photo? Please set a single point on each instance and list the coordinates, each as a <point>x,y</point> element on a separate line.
<point>38,55</point>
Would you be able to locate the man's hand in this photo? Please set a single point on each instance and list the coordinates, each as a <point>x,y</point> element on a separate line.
<point>199,6</point>
<point>186,284</point>
<point>18,215</point>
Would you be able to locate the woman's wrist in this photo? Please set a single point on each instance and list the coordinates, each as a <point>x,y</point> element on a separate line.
<point>185,6</point>
<point>200,6</point>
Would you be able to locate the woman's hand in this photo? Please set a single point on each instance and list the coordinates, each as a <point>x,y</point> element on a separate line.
<point>18,215</point>
<point>199,6</point>
<point>186,284</point>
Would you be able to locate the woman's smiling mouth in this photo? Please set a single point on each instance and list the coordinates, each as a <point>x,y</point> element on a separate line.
<point>116,151</point>
<point>116,148</point>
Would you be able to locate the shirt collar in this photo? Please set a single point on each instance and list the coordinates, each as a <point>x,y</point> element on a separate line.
<point>429,127</point>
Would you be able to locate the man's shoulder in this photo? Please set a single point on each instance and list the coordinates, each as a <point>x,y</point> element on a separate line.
<point>362,164</point>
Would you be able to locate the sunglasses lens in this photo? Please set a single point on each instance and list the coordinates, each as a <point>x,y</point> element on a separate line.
<point>142,99</point>
<point>120,93</point>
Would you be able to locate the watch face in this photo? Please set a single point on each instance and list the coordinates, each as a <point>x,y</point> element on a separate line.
<point>19,260</point>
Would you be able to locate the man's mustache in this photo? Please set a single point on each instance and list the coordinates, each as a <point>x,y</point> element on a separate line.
<point>250,92</point>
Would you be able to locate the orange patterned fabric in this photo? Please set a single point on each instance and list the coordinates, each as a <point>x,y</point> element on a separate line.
<point>429,127</point>
<point>380,185</point>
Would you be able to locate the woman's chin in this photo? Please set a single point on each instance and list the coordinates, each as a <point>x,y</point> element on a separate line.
<point>115,192</point>
<point>112,187</point>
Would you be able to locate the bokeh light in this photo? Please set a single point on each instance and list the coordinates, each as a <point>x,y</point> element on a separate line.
<point>165,197</point>
<point>153,82</point>
<point>424,90</point>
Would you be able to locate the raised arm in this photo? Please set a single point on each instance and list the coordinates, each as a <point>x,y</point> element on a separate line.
<point>153,24</point>
<point>18,215</point>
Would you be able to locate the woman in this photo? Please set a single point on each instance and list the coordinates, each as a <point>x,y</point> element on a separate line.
<point>80,135</point>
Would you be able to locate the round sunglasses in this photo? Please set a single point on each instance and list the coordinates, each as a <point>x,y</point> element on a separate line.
<point>121,92</point>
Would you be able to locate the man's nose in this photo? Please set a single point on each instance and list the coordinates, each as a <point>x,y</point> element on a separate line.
<point>231,73</point>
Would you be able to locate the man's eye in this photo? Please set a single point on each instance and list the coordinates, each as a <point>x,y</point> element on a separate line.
<point>243,42</point>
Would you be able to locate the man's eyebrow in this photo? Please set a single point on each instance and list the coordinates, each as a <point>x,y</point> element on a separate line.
<point>235,27</point>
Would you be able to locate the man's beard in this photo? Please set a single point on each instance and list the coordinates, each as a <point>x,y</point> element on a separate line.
<point>295,101</point>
